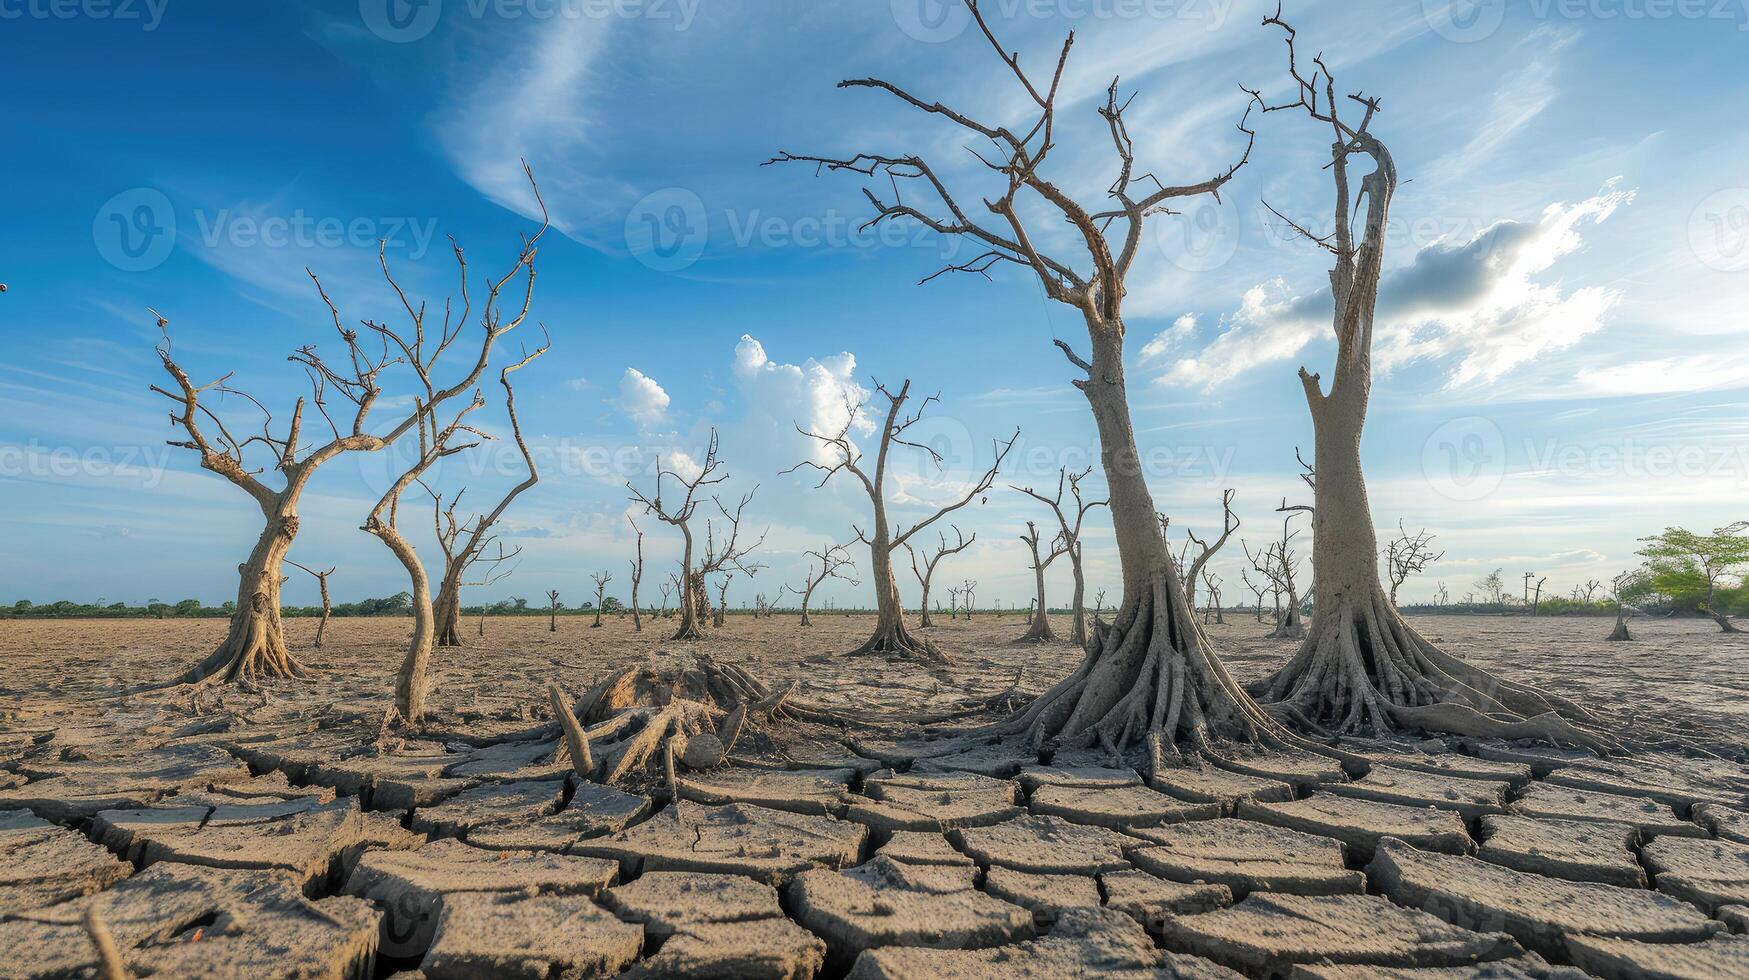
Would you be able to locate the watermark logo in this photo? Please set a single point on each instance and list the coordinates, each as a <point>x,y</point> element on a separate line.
<point>1464,459</point>
<point>931,21</point>
<point>1464,21</point>
<point>1201,239</point>
<point>1718,230</point>
<point>135,231</point>
<point>400,21</point>
<point>668,230</point>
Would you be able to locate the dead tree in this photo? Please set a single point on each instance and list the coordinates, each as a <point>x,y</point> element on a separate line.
<point>953,602</point>
<point>637,577</point>
<point>327,604</point>
<point>891,635</point>
<point>722,609</point>
<point>413,680</point>
<point>833,559</point>
<point>1257,588</point>
<point>1151,677</point>
<point>1041,620</point>
<point>1408,554</point>
<point>600,579</point>
<point>1193,570</point>
<point>1590,588</point>
<point>464,542</point>
<point>254,645</point>
<point>669,587</point>
<point>1070,533</point>
<point>552,610</point>
<point>969,599</point>
<point>1362,667</point>
<point>1280,564</point>
<point>1535,598</point>
<point>729,553</point>
<point>926,572</point>
<point>1213,583</point>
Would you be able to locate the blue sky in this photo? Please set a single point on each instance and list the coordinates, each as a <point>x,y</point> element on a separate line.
<point>1562,366</point>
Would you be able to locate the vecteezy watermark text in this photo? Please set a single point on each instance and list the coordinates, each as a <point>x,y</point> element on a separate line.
<point>302,230</point>
<point>147,13</point>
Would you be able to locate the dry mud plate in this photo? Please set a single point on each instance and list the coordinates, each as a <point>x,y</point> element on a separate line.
<point>283,832</point>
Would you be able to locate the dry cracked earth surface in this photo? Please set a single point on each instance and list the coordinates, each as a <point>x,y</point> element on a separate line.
<point>281,832</point>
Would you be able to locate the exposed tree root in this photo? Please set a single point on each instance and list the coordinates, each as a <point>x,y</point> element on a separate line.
<point>253,650</point>
<point>629,726</point>
<point>1290,627</point>
<point>1150,680</point>
<point>1363,669</point>
<point>895,640</point>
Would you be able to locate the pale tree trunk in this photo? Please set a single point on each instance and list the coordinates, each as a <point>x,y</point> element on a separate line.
<point>891,636</point>
<point>923,619</point>
<point>1040,619</point>
<point>254,647</point>
<point>1078,631</point>
<point>327,610</point>
<point>448,608</point>
<point>1151,674</point>
<point>691,587</point>
<point>413,682</point>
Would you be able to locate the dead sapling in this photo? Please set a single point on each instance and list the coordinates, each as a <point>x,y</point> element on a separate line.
<point>839,454</point>
<point>327,602</point>
<point>1039,616</point>
<point>721,549</point>
<point>1070,532</point>
<point>600,579</point>
<point>472,554</point>
<point>834,562</point>
<point>925,573</point>
<point>637,564</point>
<point>1408,554</point>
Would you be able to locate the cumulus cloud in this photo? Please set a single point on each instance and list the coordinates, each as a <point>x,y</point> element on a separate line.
<point>1480,300</point>
<point>642,399</point>
<point>818,395</point>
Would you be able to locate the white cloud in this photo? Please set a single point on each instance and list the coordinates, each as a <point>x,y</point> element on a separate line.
<point>1479,299</point>
<point>642,399</point>
<point>817,395</point>
<point>1269,326</point>
<point>1170,339</point>
<point>539,103</point>
<point>577,384</point>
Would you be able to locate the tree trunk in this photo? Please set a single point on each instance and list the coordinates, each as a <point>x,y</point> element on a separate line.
<point>448,607</point>
<point>637,614</point>
<point>413,681</point>
<point>691,586</point>
<point>1078,631</point>
<point>1361,667</point>
<point>1621,625</point>
<point>1041,620</point>
<point>923,620</point>
<point>327,610</point>
<point>254,646</point>
<point>1150,676</point>
<point>891,636</point>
